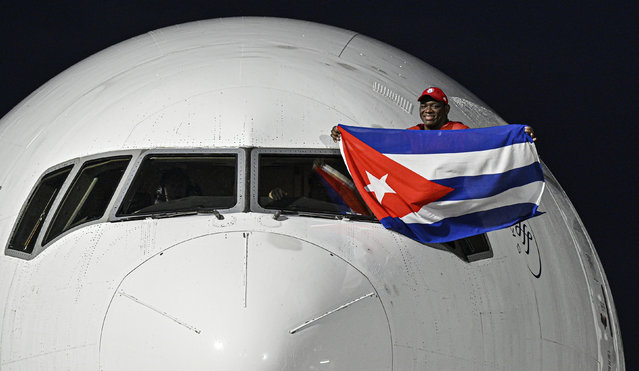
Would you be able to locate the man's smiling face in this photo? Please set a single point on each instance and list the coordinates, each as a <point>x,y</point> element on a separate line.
<point>434,114</point>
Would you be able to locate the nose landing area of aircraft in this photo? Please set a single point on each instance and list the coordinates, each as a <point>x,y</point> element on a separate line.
<point>245,300</point>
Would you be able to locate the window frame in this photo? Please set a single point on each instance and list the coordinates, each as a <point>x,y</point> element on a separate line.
<point>247,161</point>
<point>78,168</point>
<point>136,158</point>
<point>77,164</point>
<point>37,248</point>
<point>136,162</point>
<point>254,167</point>
<point>461,247</point>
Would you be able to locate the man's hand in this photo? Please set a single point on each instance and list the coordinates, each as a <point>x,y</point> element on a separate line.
<point>335,134</point>
<point>277,194</point>
<point>529,130</point>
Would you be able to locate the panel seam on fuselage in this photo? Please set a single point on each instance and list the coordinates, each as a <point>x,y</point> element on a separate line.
<point>346,45</point>
<point>586,278</point>
<point>4,314</point>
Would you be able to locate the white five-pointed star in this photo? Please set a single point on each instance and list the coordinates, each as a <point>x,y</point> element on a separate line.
<point>378,186</point>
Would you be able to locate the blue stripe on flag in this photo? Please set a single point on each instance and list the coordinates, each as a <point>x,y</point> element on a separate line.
<point>481,186</point>
<point>402,141</point>
<point>335,196</point>
<point>463,226</point>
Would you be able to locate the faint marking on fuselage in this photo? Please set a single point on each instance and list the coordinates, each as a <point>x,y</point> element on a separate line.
<point>174,319</point>
<point>245,278</point>
<point>432,351</point>
<point>32,356</point>
<point>527,244</point>
<point>399,100</point>
<point>147,240</point>
<point>309,322</point>
<point>347,66</point>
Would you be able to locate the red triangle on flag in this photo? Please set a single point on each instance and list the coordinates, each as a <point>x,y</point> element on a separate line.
<point>412,191</point>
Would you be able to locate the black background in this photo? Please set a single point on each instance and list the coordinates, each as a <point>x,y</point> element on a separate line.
<point>568,69</point>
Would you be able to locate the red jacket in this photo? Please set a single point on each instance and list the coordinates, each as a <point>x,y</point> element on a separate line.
<point>450,125</point>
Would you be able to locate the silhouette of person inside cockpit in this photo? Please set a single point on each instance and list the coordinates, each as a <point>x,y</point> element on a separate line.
<point>174,185</point>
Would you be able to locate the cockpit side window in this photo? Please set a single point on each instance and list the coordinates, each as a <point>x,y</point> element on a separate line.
<point>38,206</point>
<point>309,183</point>
<point>89,195</point>
<point>472,248</point>
<point>168,183</point>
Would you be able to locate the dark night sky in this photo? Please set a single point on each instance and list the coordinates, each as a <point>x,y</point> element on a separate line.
<point>568,70</point>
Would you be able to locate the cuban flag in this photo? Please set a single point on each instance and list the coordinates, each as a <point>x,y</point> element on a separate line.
<point>444,185</point>
<point>341,189</point>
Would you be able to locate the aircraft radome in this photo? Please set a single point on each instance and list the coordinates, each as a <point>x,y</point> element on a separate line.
<point>139,234</point>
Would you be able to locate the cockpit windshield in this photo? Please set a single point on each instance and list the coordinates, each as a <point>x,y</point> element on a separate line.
<point>308,183</point>
<point>32,218</point>
<point>177,183</point>
<point>89,195</point>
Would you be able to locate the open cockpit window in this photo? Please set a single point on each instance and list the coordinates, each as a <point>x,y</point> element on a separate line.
<point>30,223</point>
<point>89,195</point>
<point>167,183</point>
<point>472,248</point>
<point>314,183</point>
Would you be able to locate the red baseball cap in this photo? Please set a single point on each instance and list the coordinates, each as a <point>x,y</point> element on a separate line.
<point>435,93</point>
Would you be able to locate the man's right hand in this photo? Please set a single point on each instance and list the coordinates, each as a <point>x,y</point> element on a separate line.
<point>529,130</point>
<point>277,194</point>
<point>335,134</point>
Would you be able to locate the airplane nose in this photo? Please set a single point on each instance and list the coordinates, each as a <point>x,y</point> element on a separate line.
<point>245,301</point>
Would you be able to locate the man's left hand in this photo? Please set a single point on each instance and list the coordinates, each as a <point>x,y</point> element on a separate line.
<point>529,130</point>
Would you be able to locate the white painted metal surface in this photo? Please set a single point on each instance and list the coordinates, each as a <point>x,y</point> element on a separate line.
<point>197,292</point>
<point>243,294</point>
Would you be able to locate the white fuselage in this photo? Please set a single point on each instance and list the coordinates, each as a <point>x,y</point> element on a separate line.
<point>249,291</point>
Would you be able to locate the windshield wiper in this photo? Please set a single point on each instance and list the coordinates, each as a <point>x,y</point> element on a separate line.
<point>205,210</point>
<point>279,213</point>
<point>368,218</point>
<point>336,216</point>
<point>132,217</point>
<point>156,216</point>
<point>199,211</point>
<point>315,214</point>
<point>324,215</point>
<point>173,214</point>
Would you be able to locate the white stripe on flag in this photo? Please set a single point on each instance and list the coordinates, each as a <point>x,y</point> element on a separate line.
<point>436,211</point>
<point>450,165</point>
